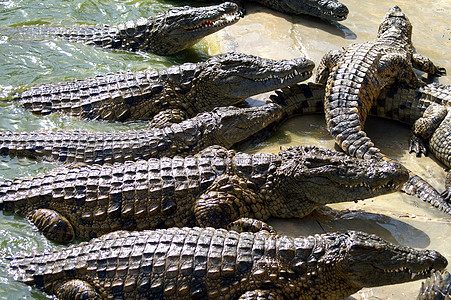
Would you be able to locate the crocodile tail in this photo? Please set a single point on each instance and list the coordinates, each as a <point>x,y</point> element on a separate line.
<point>436,287</point>
<point>26,144</point>
<point>21,194</point>
<point>300,99</point>
<point>347,129</point>
<point>71,146</point>
<point>6,204</point>
<point>39,269</point>
<point>100,35</point>
<point>417,186</point>
<point>346,109</point>
<point>107,97</point>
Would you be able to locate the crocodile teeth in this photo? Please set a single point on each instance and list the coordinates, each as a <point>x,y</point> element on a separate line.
<point>225,19</point>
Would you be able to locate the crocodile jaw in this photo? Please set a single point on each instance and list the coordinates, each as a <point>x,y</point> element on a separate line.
<point>187,25</point>
<point>325,9</point>
<point>371,262</point>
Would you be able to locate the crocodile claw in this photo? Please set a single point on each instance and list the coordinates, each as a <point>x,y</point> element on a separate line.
<point>417,145</point>
<point>440,71</point>
<point>447,193</point>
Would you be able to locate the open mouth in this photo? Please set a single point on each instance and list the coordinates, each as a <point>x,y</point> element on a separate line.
<point>390,185</point>
<point>333,16</point>
<point>337,13</point>
<point>223,20</point>
<point>295,76</point>
<point>403,271</point>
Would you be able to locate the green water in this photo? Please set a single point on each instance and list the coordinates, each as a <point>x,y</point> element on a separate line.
<point>29,62</point>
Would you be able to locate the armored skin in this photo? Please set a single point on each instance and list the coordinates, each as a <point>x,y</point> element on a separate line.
<point>207,263</point>
<point>164,34</point>
<point>436,287</point>
<point>167,96</point>
<point>355,76</point>
<point>396,102</point>
<point>332,10</point>
<point>216,187</point>
<point>433,129</point>
<point>223,126</point>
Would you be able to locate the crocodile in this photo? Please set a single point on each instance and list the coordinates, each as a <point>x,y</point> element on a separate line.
<point>331,10</point>
<point>170,95</point>
<point>207,263</point>
<point>354,77</point>
<point>164,34</point>
<point>396,102</point>
<point>433,128</point>
<point>426,109</point>
<point>436,287</point>
<point>215,188</point>
<point>224,126</point>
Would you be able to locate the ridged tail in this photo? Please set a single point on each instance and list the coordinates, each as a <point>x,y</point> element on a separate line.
<point>437,287</point>
<point>311,101</point>
<point>90,147</point>
<point>345,118</point>
<point>98,35</point>
<point>12,195</point>
<point>108,97</point>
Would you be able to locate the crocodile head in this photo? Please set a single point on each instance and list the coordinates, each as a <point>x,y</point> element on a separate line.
<point>339,264</point>
<point>324,176</point>
<point>324,9</point>
<point>233,77</point>
<point>396,25</point>
<point>181,27</point>
<point>232,125</point>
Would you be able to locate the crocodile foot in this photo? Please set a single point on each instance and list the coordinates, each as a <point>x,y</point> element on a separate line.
<point>447,193</point>
<point>250,225</point>
<point>417,145</point>
<point>440,71</point>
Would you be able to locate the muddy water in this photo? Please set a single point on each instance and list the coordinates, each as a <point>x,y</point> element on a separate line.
<point>397,217</point>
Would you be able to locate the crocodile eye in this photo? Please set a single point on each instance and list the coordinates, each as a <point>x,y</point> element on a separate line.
<point>233,63</point>
<point>315,162</point>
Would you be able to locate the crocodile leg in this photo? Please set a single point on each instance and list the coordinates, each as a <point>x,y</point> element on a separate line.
<point>250,225</point>
<point>420,188</point>
<point>424,64</point>
<point>327,63</point>
<point>425,126</point>
<point>395,66</point>
<point>52,224</point>
<point>168,117</point>
<point>260,295</point>
<point>228,199</point>
<point>76,289</point>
